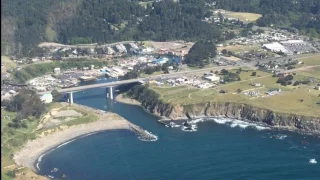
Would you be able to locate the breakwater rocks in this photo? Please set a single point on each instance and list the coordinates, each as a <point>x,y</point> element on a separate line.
<point>143,135</point>
<point>276,120</point>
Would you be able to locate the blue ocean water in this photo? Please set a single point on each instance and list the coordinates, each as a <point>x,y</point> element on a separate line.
<point>215,151</point>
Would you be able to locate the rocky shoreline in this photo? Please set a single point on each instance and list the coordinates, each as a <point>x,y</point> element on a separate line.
<point>28,156</point>
<point>276,120</point>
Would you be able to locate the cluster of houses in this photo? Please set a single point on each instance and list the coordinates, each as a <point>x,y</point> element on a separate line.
<point>209,80</point>
<point>44,83</point>
<point>273,91</point>
<point>268,36</point>
<point>252,93</point>
<point>290,47</point>
<point>274,66</point>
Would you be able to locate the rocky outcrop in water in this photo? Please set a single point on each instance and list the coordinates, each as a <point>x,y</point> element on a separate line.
<point>143,134</point>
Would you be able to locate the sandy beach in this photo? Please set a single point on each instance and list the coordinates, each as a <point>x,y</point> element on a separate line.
<point>121,99</point>
<point>32,150</point>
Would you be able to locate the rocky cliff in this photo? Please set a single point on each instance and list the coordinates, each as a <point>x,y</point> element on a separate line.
<point>302,124</point>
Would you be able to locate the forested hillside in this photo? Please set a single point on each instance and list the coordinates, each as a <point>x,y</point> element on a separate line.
<point>83,21</point>
<point>301,14</point>
<point>26,23</point>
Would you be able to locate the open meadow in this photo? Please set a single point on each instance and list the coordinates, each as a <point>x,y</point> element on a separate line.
<point>243,16</point>
<point>299,100</point>
<point>8,63</point>
<point>239,48</point>
<point>310,61</point>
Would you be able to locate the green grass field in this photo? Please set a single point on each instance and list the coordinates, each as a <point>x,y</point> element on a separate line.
<point>9,64</point>
<point>311,61</point>
<point>12,139</point>
<point>288,101</point>
<point>239,48</point>
<point>313,72</point>
<point>243,16</point>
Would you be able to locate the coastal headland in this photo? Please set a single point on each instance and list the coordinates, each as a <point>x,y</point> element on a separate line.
<point>189,103</point>
<point>47,140</point>
<point>275,120</point>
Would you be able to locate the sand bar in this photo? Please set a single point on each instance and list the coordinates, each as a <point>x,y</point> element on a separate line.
<point>124,100</point>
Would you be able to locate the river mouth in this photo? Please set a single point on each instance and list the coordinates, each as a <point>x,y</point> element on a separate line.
<point>215,151</point>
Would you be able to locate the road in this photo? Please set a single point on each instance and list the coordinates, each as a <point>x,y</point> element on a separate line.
<point>294,57</point>
<point>162,76</point>
<point>50,44</point>
<point>171,75</point>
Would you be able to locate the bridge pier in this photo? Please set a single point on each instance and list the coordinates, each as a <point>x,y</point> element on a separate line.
<point>109,91</point>
<point>70,98</point>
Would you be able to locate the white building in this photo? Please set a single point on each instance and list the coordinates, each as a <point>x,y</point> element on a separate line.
<point>212,78</point>
<point>205,85</point>
<point>46,98</point>
<point>118,71</point>
<point>147,50</point>
<point>275,47</point>
<point>110,50</point>
<point>256,84</point>
<point>56,70</point>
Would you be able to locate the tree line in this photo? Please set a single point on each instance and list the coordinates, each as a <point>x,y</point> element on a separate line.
<point>27,104</point>
<point>106,21</point>
<point>200,53</point>
<point>148,98</point>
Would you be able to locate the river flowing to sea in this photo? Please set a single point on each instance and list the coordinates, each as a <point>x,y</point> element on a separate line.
<point>219,149</point>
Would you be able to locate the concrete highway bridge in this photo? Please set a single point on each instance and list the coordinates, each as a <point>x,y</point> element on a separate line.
<point>110,85</point>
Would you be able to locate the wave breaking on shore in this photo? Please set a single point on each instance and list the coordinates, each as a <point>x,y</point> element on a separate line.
<point>192,125</point>
<point>142,134</point>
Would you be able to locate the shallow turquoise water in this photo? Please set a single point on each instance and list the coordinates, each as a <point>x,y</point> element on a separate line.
<point>215,151</point>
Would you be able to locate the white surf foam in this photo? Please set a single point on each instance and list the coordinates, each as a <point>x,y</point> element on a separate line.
<point>221,120</point>
<point>52,177</point>
<point>232,123</point>
<point>313,161</point>
<point>195,121</point>
<point>66,143</point>
<point>154,137</point>
<point>193,128</point>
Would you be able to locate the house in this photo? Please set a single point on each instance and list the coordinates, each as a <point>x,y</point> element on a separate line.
<point>158,83</point>
<point>273,91</point>
<point>256,84</point>
<point>152,82</point>
<point>205,85</point>
<point>57,71</point>
<point>212,78</point>
<point>46,98</point>
<point>180,80</point>
<point>317,88</point>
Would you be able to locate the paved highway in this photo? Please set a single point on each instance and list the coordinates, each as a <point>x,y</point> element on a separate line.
<point>163,76</point>
<point>166,76</point>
